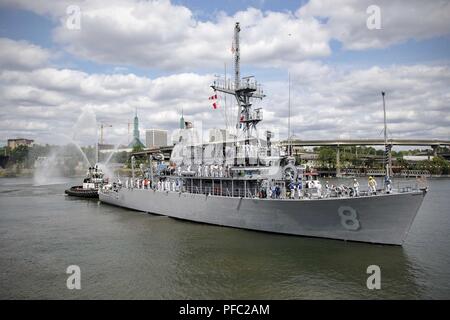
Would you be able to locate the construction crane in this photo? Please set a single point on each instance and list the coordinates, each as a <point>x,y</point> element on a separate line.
<point>106,125</point>
<point>102,126</point>
<point>129,123</point>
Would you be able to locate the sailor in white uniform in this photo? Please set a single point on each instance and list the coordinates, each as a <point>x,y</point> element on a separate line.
<point>356,188</point>
<point>292,188</point>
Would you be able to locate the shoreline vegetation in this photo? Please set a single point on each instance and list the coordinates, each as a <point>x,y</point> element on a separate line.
<point>68,161</point>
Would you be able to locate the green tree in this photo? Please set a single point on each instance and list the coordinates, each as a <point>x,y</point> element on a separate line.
<point>327,157</point>
<point>19,154</point>
<point>440,165</point>
<point>137,148</point>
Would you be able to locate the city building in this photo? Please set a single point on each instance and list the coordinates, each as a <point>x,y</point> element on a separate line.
<point>417,158</point>
<point>136,142</point>
<point>156,138</point>
<point>14,143</point>
<point>216,135</point>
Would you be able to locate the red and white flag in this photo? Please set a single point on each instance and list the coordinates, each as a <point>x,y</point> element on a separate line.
<point>214,97</point>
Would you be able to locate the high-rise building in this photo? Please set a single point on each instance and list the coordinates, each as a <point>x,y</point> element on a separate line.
<point>155,138</point>
<point>216,135</point>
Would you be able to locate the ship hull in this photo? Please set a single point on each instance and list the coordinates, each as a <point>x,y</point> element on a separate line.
<point>384,219</point>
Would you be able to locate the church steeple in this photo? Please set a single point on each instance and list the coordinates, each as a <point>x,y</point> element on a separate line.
<point>136,141</point>
<point>136,126</point>
<point>182,123</point>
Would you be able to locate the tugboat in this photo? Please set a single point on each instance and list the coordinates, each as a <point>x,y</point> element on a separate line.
<point>91,184</point>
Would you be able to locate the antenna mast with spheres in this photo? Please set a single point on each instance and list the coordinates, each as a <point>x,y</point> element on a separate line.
<point>244,91</point>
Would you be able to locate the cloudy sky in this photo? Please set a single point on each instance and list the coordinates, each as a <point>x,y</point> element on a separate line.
<point>161,56</point>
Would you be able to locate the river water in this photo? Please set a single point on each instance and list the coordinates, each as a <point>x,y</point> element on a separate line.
<point>132,255</point>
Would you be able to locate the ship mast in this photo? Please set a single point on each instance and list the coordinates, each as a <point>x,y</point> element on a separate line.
<point>237,56</point>
<point>289,117</point>
<point>387,148</point>
<point>243,90</point>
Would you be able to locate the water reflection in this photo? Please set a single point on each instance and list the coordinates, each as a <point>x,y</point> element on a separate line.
<point>215,262</point>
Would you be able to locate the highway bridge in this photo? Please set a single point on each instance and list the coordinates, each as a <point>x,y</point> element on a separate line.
<point>432,143</point>
<point>366,142</point>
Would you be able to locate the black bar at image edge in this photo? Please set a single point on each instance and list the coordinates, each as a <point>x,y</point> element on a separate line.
<point>222,309</point>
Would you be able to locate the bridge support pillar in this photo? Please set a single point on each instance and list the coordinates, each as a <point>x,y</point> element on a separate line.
<point>389,159</point>
<point>338,162</point>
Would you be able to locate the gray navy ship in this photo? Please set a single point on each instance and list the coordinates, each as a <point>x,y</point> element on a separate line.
<point>250,182</point>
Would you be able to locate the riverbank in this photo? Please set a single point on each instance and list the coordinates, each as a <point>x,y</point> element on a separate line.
<point>16,173</point>
<point>29,173</point>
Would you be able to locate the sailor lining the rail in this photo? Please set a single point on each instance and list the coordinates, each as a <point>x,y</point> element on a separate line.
<point>292,188</point>
<point>372,185</point>
<point>318,186</point>
<point>388,184</point>
<point>269,191</point>
<point>264,188</point>
<point>356,188</point>
<point>299,187</point>
<point>327,189</point>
